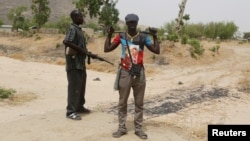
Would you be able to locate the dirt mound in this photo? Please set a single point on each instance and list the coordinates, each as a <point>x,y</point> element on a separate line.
<point>48,48</point>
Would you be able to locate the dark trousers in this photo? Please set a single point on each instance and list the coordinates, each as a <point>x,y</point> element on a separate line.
<point>76,90</point>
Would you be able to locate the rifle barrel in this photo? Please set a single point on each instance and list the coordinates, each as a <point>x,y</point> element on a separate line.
<point>99,58</point>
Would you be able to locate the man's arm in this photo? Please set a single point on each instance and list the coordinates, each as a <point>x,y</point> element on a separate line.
<point>155,47</point>
<point>108,46</point>
<point>74,46</point>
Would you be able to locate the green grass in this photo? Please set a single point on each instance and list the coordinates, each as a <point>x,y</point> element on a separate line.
<point>6,93</point>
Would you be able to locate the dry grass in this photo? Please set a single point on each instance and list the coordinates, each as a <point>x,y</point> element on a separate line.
<point>244,83</point>
<point>60,61</point>
<point>48,48</point>
<point>17,56</point>
<point>19,98</point>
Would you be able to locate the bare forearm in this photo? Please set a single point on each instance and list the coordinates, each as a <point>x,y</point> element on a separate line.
<point>156,45</point>
<point>108,46</point>
<point>75,47</point>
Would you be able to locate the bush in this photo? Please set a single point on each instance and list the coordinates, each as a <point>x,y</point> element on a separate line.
<point>184,39</point>
<point>173,37</point>
<point>6,93</point>
<point>196,49</point>
<point>215,49</point>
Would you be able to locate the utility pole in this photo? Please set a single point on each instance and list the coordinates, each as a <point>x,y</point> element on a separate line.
<point>179,21</point>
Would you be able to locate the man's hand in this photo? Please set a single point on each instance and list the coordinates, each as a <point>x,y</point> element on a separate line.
<point>94,56</point>
<point>153,30</point>
<point>110,30</point>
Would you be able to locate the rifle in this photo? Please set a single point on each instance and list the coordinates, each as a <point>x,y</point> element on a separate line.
<point>145,32</point>
<point>93,56</point>
<point>153,29</point>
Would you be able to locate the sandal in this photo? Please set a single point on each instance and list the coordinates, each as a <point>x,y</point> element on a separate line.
<point>141,134</point>
<point>74,116</point>
<point>119,133</point>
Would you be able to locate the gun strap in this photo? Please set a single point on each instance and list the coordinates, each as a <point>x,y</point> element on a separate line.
<point>128,48</point>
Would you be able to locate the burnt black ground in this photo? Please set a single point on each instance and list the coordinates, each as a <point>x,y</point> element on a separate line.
<point>174,100</point>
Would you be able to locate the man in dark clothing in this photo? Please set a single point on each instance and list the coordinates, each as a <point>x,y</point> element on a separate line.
<point>75,55</point>
<point>133,42</point>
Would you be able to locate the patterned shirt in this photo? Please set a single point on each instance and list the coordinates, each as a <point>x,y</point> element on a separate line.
<point>136,45</point>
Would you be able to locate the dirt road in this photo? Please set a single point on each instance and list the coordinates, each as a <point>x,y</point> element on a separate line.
<point>180,101</point>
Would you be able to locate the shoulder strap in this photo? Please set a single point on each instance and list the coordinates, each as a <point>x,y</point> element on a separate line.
<point>142,37</point>
<point>128,48</point>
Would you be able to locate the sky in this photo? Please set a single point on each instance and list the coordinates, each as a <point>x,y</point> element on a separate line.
<point>156,13</point>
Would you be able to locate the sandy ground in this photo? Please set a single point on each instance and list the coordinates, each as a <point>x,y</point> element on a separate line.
<point>180,101</point>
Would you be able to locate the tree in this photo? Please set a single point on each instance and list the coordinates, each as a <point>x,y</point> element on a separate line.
<point>41,11</point>
<point>90,7</point>
<point>63,24</point>
<point>179,20</point>
<point>220,29</point>
<point>169,27</point>
<point>109,15</point>
<point>1,22</point>
<point>103,9</point>
<point>246,35</point>
<point>18,19</point>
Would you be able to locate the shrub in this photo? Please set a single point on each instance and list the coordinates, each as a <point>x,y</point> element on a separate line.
<point>173,37</point>
<point>6,93</point>
<point>184,39</point>
<point>196,49</point>
<point>215,49</point>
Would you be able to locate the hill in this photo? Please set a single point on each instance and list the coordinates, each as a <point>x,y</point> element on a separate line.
<point>58,8</point>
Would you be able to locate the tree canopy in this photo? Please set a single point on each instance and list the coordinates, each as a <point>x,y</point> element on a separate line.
<point>104,10</point>
<point>18,19</point>
<point>40,11</point>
